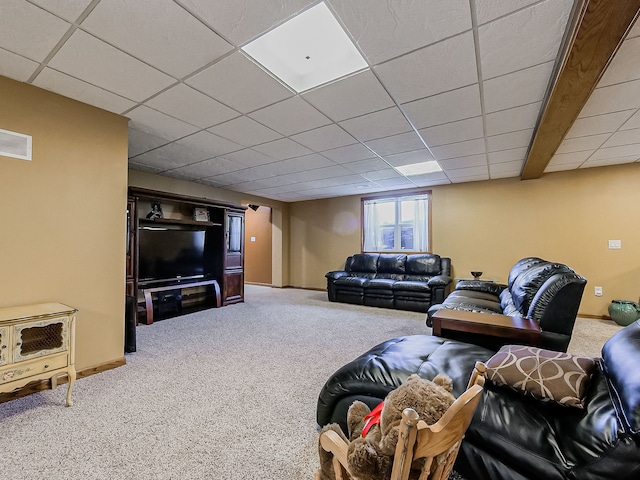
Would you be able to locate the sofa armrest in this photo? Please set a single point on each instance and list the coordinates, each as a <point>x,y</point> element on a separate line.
<point>440,281</point>
<point>334,275</point>
<point>481,286</point>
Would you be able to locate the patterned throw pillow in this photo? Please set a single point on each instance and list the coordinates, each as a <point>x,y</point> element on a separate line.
<point>543,374</point>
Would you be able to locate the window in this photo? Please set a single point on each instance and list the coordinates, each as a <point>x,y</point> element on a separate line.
<point>396,224</point>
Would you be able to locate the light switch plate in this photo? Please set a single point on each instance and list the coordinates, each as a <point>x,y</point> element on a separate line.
<point>615,244</point>
<point>597,291</point>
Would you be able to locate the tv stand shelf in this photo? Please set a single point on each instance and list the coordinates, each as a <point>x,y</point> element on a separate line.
<point>176,221</point>
<point>148,297</point>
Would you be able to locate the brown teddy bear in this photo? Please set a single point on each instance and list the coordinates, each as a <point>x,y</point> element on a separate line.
<point>373,434</point>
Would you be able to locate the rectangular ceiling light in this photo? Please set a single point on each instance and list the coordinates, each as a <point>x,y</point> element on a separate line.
<point>309,50</point>
<point>419,168</point>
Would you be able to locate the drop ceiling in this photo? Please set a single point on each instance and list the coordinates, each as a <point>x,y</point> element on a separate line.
<point>462,82</point>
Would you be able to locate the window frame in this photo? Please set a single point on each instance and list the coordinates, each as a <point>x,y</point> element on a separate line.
<point>396,197</point>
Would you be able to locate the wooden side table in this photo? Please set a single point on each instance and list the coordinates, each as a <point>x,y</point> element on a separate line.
<point>516,329</point>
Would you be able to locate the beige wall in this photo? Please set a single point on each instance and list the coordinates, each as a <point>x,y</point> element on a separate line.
<point>566,217</point>
<point>63,215</point>
<point>280,212</point>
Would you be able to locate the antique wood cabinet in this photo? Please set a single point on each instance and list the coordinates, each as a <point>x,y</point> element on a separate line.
<point>233,290</point>
<point>37,342</point>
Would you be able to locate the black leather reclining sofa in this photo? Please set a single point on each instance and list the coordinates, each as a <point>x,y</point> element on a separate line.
<point>405,282</point>
<point>512,436</point>
<point>547,292</point>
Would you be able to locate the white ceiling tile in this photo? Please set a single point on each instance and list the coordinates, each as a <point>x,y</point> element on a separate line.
<point>210,143</point>
<point>460,149</point>
<point>487,10</point>
<point>506,169</point>
<point>243,20</point>
<point>396,182</point>
<point>140,142</point>
<point>240,84</point>
<point>624,66</point>
<point>28,30</point>
<point>16,67</point>
<point>178,154</point>
<point>384,30</point>
<point>369,165</point>
<point>635,30</point>
<point>518,88</point>
<point>603,162</point>
<point>169,39</point>
<point>324,138</point>
<point>335,181</point>
<point>163,158</point>
<point>570,158</point>
<point>504,156</point>
<point>282,149</point>
<point>613,98</point>
<point>409,158</point>
<point>561,167</point>
<point>616,152</point>
<point>384,173</point>
<point>290,116</point>
<point>230,178</point>
<point>429,179</point>
<point>453,132</point>
<point>62,84</point>
<point>144,167</point>
<point>510,140</point>
<point>513,119</point>
<point>179,174</point>
<point>522,39</point>
<point>116,71</point>
<point>405,142</point>
<point>377,125</point>
<point>591,143</point>
<point>299,164</point>
<point>633,122</point>
<point>478,172</point>
<point>350,97</point>
<point>335,171</point>
<point>191,106</point>
<point>444,108</point>
<point>67,9</point>
<point>249,157</point>
<point>607,123</point>
<point>463,162</point>
<point>158,124</point>
<point>350,153</point>
<point>245,131</point>
<point>413,76</point>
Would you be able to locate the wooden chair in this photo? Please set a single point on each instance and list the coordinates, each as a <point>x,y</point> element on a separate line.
<point>437,444</point>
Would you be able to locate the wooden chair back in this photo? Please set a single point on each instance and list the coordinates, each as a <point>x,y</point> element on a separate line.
<point>434,447</point>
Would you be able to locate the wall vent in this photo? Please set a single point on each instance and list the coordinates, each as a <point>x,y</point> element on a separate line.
<point>15,145</point>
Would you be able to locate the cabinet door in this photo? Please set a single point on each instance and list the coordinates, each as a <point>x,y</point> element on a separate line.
<point>233,291</point>
<point>39,338</point>
<point>235,241</point>
<point>4,345</point>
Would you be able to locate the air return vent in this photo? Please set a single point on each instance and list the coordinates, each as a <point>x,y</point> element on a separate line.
<point>16,145</point>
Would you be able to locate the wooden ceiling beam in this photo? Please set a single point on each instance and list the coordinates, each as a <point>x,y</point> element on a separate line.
<point>601,27</point>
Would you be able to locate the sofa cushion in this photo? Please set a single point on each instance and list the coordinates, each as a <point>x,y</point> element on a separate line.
<point>351,281</point>
<point>543,374</point>
<point>364,262</point>
<point>379,284</point>
<point>391,263</point>
<point>521,266</point>
<point>527,284</point>
<point>620,358</point>
<point>411,286</point>
<point>481,286</point>
<point>423,264</point>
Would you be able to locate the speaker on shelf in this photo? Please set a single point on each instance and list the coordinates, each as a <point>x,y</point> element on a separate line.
<point>130,325</point>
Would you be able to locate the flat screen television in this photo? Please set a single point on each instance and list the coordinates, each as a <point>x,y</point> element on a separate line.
<point>168,252</point>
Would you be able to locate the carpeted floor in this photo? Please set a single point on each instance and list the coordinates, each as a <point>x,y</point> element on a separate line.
<point>226,393</point>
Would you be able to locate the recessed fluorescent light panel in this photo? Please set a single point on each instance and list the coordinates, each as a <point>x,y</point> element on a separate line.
<point>309,50</point>
<point>419,168</point>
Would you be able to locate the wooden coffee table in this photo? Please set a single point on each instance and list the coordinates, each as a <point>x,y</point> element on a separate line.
<point>515,329</point>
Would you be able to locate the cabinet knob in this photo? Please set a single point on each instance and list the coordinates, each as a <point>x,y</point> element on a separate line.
<point>4,346</point>
<point>46,366</point>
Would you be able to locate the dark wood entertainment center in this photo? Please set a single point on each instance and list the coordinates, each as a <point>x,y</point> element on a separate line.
<point>211,276</point>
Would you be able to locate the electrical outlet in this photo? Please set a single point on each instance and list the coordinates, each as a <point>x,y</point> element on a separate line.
<point>615,244</point>
<point>597,291</point>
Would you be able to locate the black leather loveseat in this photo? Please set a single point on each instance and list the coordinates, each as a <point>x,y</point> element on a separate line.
<point>513,436</point>
<point>547,292</point>
<point>405,282</point>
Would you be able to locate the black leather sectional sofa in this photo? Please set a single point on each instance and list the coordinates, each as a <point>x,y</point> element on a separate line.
<point>547,292</point>
<point>405,282</point>
<point>512,436</point>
